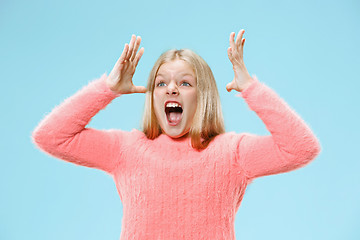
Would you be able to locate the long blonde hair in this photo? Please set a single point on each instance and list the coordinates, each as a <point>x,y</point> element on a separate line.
<point>208,120</point>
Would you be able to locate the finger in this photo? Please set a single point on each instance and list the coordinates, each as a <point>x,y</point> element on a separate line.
<point>242,47</point>
<point>137,44</point>
<point>229,51</point>
<point>133,39</point>
<point>131,47</point>
<point>123,54</point>
<point>138,56</point>
<point>231,40</point>
<point>127,52</point>
<point>139,89</point>
<point>239,37</point>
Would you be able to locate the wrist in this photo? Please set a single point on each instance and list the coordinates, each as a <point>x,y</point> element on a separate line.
<point>110,88</point>
<point>247,84</point>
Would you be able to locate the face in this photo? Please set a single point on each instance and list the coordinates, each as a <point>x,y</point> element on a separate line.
<point>174,97</point>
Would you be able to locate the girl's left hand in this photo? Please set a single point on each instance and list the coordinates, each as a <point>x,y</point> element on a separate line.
<point>242,78</point>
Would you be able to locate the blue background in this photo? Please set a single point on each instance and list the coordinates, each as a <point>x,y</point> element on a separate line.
<point>307,51</point>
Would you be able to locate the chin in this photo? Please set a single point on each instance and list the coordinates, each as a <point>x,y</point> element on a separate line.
<point>179,135</point>
<point>173,133</point>
<point>179,131</point>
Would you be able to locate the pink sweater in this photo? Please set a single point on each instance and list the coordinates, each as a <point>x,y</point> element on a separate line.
<point>168,189</point>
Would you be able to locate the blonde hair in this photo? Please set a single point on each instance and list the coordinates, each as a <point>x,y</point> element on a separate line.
<point>208,120</point>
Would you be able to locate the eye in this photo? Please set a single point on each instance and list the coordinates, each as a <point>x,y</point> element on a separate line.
<point>185,84</point>
<point>160,84</point>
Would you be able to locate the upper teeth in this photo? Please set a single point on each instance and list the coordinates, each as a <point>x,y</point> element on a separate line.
<point>173,105</point>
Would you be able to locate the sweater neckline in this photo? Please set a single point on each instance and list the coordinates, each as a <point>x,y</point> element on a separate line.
<point>175,141</point>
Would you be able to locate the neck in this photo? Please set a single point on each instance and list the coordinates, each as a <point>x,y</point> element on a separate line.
<point>182,138</point>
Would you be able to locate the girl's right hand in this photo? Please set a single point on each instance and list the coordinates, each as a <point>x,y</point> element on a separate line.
<point>120,78</point>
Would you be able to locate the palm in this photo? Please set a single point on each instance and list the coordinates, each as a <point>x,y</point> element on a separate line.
<point>120,78</point>
<point>235,52</point>
<point>126,72</point>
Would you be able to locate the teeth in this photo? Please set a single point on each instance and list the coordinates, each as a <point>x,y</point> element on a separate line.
<point>173,105</point>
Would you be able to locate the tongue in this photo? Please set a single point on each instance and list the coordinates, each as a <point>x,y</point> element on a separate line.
<point>174,117</point>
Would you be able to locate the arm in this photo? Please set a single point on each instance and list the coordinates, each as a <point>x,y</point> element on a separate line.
<point>291,144</point>
<point>63,134</point>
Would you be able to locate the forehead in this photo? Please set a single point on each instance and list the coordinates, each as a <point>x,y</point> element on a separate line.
<point>176,68</point>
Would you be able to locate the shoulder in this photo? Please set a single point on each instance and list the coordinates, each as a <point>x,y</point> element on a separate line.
<point>128,137</point>
<point>133,134</point>
<point>228,140</point>
<point>229,136</point>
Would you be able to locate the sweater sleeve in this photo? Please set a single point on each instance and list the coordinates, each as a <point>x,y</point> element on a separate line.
<point>62,133</point>
<point>291,144</point>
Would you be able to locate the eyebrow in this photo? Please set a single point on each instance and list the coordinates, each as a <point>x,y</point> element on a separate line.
<point>183,74</point>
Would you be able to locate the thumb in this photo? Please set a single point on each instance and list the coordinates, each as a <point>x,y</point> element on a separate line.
<point>139,89</point>
<point>230,86</point>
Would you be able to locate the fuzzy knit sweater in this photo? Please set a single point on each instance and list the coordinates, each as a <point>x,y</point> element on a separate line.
<point>168,189</point>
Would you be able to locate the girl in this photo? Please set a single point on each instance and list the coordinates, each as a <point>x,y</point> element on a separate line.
<point>182,176</point>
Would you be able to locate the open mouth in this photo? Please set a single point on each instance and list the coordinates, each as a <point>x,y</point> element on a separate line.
<point>173,113</point>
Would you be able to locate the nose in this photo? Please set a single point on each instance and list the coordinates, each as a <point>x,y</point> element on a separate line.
<point>172,89</point>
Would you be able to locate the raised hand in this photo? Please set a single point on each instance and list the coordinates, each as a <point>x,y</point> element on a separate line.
<point>242,78</point>
<point>120,78</point>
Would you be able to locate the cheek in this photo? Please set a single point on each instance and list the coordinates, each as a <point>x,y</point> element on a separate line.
<point>157,103</point>
<point>157,95</point>
<point>193,100</point>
